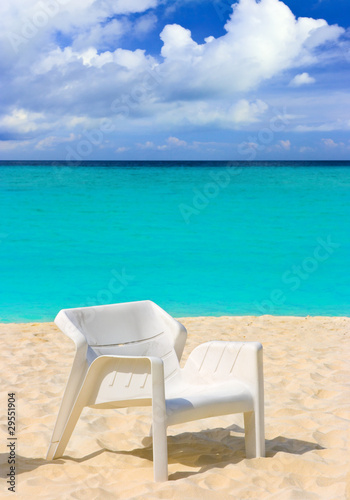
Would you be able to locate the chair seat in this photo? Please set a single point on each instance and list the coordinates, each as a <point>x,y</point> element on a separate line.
<point>187,402</point>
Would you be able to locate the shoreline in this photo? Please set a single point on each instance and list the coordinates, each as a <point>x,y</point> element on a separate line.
<point>202,316</point>
<point>307,414</point>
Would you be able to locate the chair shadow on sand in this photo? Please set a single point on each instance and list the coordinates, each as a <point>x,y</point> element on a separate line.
<point>205,450</point>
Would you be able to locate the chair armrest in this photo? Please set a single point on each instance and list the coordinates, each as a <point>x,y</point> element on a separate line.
<point>220,361</point>
<point>126,377</point>
<point>152,365</point>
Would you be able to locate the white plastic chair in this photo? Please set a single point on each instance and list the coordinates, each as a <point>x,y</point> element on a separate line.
<point>128,355</point>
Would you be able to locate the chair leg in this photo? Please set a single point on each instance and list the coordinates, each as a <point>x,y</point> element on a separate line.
<point>61,422</point>
<point>254,434</point>
<point>78,372</point>
<point>160,454</point>
<point>159,438</point>
<point>57,448</point>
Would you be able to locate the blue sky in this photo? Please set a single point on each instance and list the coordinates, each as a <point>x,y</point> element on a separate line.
<point>190,79</point>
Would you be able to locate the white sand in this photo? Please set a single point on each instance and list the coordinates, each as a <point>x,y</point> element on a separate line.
<point>307,411</point>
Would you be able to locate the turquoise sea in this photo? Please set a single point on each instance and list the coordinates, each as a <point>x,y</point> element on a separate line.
<point>198,238</point>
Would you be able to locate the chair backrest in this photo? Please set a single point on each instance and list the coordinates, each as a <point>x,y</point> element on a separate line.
<point>131,329</point>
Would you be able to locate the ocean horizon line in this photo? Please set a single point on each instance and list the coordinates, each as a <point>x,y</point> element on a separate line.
<point>247,163</point>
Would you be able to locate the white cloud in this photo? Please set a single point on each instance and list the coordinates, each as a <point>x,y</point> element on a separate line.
<point>130,60</point>
<point>170,143</point>
<point>330,143</point>
<point>51,141</point>
<point>174,141</point>
<point>302,79</point>
<point>146,145</point>
<point>109,33</point>
<point>68,15</point>
<point>128,6</point>
<point>247,112</point>
<point>102,35</point>
<point>144,24</point>
<point>285,144</point>
<point>176,144</point>
<point>14,145</point>
<point>306,149</point>
<point>72,72</point>
<point>324,127</point>
<point>30,26</point>
<point>22,121</point>
<point>208,113</point>
<point>262,40</point>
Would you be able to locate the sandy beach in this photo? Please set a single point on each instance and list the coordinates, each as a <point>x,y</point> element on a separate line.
<point>307,412</point>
